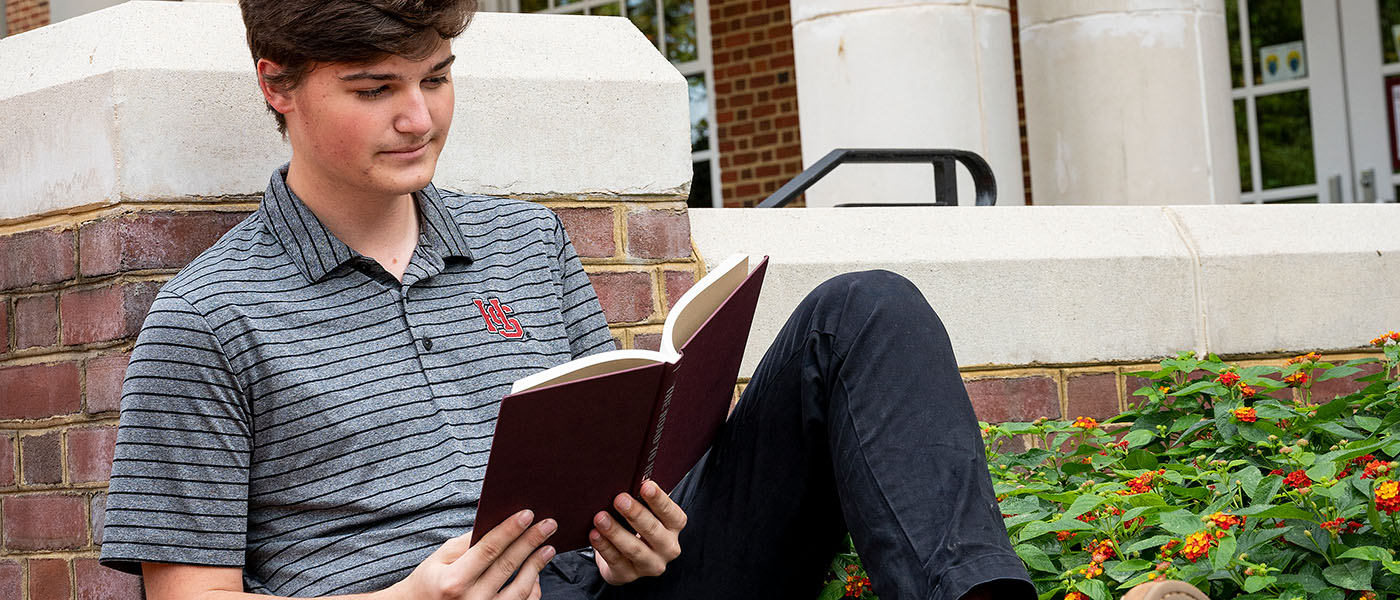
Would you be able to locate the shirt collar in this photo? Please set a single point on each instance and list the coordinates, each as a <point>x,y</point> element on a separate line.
<point>316,251</point>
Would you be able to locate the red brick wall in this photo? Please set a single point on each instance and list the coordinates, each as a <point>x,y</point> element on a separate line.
<point>755,98</point>
<point>23,15</point>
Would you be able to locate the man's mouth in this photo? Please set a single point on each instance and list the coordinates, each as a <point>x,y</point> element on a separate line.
<point>408,151</point>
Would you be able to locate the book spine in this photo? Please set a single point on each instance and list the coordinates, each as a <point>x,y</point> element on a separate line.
<point>661,406</point>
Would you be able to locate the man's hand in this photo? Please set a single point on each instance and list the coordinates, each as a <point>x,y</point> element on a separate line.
<point>458,570</point>
<point>623,556</point>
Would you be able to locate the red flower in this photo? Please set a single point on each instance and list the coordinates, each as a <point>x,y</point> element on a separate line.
<point>1246,414</point>
<point>1386,339</point>
<point>1064,535</point>
<point>1298,479</point>
<point>1085,423</point>
<point>1373,468</point>
<point>1197,545</point>
<point>1297,379</point>
<point>1246,391</point>
<point>856,585</point>
<point>1388,496</point>
<point>1226,521</point>
<point>1228,378</point>
<point>1309,357</point>
<point>1276,472</point>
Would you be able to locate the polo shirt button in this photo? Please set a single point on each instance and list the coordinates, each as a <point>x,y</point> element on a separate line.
<point>427,343</point>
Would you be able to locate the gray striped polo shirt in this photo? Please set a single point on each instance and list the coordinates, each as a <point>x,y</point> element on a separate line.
<point>293,409</point>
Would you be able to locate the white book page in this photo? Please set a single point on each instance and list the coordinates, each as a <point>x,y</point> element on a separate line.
<point>701,301</point>
<point>588,366</point>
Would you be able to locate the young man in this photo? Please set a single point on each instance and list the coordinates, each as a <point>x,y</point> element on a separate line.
<point>310,403</point>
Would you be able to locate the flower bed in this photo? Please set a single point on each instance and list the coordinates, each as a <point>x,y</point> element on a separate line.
<point>1209,479</point>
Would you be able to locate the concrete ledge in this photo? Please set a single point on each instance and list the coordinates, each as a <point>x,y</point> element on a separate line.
<point>1070,285</point>
<point>151,100</point>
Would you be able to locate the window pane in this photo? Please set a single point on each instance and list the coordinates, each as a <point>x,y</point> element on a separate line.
<point>699,114</point>
<point>533,5</point>
<point>643,15</point>
<point>1242,144</point>
<point>1232,23</point>
<point>1285,139</point>
<point>1272,22</point>
<point>680,30</point>
<point>1390,27</point>
<point>700,186</point>
<point>1303,200</point>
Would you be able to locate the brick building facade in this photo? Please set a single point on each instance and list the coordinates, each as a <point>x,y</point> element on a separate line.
<point>23,15</point>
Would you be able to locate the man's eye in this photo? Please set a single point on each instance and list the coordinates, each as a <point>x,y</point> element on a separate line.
<point>371,93</point>
<point>435,81</point>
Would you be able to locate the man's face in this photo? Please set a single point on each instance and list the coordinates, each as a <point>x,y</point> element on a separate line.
<point>371,130</point>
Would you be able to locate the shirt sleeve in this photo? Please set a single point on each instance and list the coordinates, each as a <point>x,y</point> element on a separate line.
<point>583,316</point>
<point>179,487</point>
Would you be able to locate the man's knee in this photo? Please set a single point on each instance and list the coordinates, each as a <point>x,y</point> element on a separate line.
<point>870,290</point>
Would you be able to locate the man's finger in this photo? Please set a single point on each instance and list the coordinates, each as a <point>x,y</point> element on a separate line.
<point>635,552</point>
<point>527,581</point>
<point>619,568</point>
<point>640,517</point>
<point>665,509</point>
<point>514,558</point>
<point>452,549</point>
<point>495,542</point>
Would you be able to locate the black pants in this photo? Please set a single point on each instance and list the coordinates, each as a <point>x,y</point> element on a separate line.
<point>855,420</point>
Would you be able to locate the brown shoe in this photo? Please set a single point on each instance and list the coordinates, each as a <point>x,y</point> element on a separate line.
<point>1165,590</point>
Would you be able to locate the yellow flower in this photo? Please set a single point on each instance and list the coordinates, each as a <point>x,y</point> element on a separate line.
<point>1085,423</point>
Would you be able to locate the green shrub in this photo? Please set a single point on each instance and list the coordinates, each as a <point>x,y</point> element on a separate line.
<point>1210,480</point>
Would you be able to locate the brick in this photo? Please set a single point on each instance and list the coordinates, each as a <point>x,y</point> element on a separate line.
<point>625,296</point>
<point>11,579</point>
<point>1092,395</point>
<point>41,458</point>
<point>98,514</point>
<point>104,376</point>
<point>161,240</point>
<point>90,453</point>
<point>35,258</point>
<point>658,234</point>
<point>1325,391</point>
<point>45,522</point>
<point>8,465</point>
<point>96,582</point>
<point>1014,398</point>
<point>107,313</point>
<point>1132,384</point>
<point>590,230</point>
<point>677,284</point>
<point>39,391</point>
<point>49,579</point>
<point>36,321</point>
<point>647,341</point>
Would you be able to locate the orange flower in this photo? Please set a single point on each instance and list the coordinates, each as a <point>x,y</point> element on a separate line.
<point>1197,545</point>
<point>1141,483</point>
<point>1228,378</point>
<point>1297,379</point>
<point>1085,423</point>
<point>1102,550</point>
<point>1246,391</point>
<point>1226,521</point>
<point>1093,570</point>
<point>856,585</point>
<point>1386,339</point>
<point>1309,357</point>
<point>1076,596</point>
<point>1064,535</point>
<point>1373,468</point>
<point>1388,496</point>
<point>1246,413</point>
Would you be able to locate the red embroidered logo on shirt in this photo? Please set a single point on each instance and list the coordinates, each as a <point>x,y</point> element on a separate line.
<point>496,320</point>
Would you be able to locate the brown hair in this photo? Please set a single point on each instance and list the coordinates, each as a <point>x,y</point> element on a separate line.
<point>299,34</point>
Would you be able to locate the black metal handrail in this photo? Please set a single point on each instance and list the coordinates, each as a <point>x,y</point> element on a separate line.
<point>945,181</point>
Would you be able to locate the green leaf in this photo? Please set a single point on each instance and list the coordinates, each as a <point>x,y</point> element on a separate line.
<point>1181,522</point>
<point>1323,469</point>
<point>1330,594</point>
<point>1223,554</point>
<point>834,590</point>
<point>1083,504</point>
<point>1265,511</point>
<point>1152,499</point>
<point>1152,542</point>
<point>1184,422</point>
<point>1139,437</point>
<point>1249,478</point>
<point>1335,372</point>
<point>1352,575</point>
<point>1317,542</point>
<point>1254,583</point>
<point>1205,386</point>
<point>1140,459</point>
<point>1121,571</point>
<point>1368,423</point>
<point>1338,430</point>
<point>1375,553</point>
<point>1272,410</point>
<point>1035,558</point>
<point>1329,410</point>
<point>1093,588</point>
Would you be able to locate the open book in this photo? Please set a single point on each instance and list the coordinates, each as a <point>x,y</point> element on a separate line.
<point>570,438</point>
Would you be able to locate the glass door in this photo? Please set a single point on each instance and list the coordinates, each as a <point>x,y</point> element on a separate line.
<point>1310,104</point>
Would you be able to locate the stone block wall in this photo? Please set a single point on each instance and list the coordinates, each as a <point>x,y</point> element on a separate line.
<point>23,15</point>
<point>755,98</point>
<point>74,290</point>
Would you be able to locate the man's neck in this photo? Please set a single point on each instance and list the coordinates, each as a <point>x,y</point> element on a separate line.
<point>384,228</point>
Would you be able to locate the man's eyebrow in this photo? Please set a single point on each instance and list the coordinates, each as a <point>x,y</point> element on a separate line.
<point>393,77</point>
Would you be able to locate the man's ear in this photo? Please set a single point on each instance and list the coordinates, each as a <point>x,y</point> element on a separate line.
<point>278,98</point>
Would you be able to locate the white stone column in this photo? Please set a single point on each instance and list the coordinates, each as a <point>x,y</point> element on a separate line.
<point>906,74</point>
<point>1128,102</point>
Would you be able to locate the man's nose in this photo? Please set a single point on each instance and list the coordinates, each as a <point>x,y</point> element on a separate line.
<point>413,117</point>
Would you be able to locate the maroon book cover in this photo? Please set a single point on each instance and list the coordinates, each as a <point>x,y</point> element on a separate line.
<point>566,450</point>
